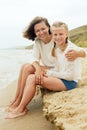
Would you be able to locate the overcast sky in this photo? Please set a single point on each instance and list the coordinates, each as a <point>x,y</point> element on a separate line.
<point>16,14</point>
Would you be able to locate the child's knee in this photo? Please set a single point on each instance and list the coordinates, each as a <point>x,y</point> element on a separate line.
<point>31,78</point>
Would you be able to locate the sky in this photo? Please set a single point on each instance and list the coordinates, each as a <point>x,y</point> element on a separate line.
<point>15,15</point>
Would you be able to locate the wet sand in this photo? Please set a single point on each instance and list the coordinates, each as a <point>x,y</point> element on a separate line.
<point>33,120</point>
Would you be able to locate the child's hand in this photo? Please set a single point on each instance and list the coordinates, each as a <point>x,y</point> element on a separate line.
<point>71,55</point>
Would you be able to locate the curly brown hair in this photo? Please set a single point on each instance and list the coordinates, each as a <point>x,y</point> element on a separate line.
<point>29,33</point>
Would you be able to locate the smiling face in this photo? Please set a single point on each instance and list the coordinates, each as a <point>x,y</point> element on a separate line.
<point>59,35</point>
<point>41,31</point>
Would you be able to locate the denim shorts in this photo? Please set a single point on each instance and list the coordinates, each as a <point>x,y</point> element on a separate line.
<point>69,84</point>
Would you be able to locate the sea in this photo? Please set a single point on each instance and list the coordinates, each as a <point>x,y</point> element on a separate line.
<point>11,61</point>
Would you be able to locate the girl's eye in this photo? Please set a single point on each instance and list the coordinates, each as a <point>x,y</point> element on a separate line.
<point>61,34</point>
<point>55,34</point>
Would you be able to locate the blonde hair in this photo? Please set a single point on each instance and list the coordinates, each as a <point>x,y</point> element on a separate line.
<point>56,25</point>
<point>59,24</point>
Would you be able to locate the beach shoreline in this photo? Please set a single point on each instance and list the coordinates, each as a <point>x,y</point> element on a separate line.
<point>34,119</point>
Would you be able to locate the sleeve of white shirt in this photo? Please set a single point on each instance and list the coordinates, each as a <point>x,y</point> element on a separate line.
<point>35,53</point>
<point>67,73</point>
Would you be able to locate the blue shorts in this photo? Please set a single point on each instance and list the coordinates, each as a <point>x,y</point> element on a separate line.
<point>69,84</point>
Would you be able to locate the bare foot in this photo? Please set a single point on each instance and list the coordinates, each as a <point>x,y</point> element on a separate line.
<point>16,114</point>
<point>9,109</point>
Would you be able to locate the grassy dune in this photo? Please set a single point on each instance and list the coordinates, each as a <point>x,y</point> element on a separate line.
<point>79,36</point>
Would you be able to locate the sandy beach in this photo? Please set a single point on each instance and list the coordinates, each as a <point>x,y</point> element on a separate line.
<point>59,108</point>
<point>33,120</point>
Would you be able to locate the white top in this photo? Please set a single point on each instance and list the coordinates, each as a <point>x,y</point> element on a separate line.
<point>43,53</point>
<point>69,70</point>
